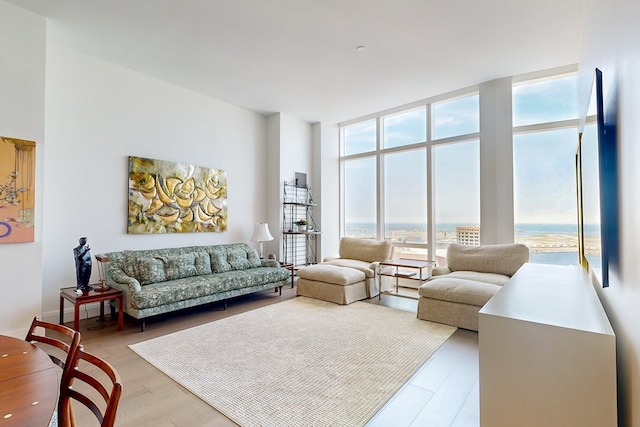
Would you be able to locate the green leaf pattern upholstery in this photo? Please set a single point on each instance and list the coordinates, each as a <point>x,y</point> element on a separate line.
<point>156,281</point>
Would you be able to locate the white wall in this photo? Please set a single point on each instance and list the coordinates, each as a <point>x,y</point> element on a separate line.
<point>611,43</point>
<point>98,114</point>
<point>326,166</point>
<point>22,56</point>
<point>274,187</point>
<point>295,148</point>
<point>291,138</point>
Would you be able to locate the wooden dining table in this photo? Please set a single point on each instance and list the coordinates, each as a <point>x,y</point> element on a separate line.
<point>29,384</point>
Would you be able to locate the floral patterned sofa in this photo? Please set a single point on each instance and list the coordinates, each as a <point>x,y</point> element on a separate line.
<point>159,281</point>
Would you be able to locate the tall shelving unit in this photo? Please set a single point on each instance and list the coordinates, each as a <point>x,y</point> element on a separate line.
<point>299,247</point>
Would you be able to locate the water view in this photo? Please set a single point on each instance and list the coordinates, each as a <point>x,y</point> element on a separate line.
<point>548,243</point>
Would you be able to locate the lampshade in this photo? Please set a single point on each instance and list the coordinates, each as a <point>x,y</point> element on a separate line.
<point>261,233</point>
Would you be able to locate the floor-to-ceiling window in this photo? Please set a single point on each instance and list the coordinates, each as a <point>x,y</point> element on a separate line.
<point>358,178</point>
<point>545,124</point>
<point>411,176</point>
<point>456,173</point>
<point>404,182</point>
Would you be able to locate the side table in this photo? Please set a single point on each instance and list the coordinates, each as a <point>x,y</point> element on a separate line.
<point>289,267</point>
<point>395,271</point>
<point>70,295</point>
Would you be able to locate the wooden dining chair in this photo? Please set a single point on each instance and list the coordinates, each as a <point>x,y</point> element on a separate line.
<point>55,336</point>
<point>86,375</point>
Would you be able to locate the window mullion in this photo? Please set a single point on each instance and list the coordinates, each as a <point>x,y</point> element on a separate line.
<point>380,181</point>
<point>430,180</point>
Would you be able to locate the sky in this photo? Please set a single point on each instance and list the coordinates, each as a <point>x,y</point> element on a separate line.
<point>544,162</point>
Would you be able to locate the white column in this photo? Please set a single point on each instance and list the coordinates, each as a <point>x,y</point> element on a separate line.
<point>496,162</point>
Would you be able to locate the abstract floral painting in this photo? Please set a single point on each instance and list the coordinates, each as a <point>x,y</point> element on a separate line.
<point>17,190</point>
<point>169,197</point>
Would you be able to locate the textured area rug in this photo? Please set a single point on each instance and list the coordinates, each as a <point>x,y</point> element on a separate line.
<point>301,362</point>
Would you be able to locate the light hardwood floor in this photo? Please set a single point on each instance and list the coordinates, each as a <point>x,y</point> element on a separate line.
<point>444,392</point>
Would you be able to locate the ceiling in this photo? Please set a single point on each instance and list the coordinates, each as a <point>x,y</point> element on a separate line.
<point>300,57</point>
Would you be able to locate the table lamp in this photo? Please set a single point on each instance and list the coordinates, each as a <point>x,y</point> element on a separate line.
<point>261,234</point>
<point>102,261</point>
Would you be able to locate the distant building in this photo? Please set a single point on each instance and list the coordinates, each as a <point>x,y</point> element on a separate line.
<point>468,235</point>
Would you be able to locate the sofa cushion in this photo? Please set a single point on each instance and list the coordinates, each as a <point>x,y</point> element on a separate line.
<point>241,257</point>
<point>259,275</point>
<point>331,274</point>
<point>365,249</point>
<point>158,294</point>
<point>237,258</point>
<point>459,291</point>
<point>502,259</point>
<point>129,264</point>
<point>173,291</point>
<point>218,257</point>
<point>145,269</point>
<point>494,278</point>
<point>202,263</point>
<point>179,266</point>
<point>364,266</point>
<point>149,270</point>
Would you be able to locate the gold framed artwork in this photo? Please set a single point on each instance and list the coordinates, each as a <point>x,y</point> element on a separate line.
<point>169,197</point>
<point>17,190</point>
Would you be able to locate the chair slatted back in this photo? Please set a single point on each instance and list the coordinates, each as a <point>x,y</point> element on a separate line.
<point>69,346</point>
<point>110,390</point>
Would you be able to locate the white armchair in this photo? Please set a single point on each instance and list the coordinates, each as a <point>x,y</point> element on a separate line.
<point>473,274</point>
<point>364,255</point>
<point>349,277</point>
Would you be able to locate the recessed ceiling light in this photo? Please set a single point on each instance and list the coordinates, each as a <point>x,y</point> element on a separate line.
<point>360,48</point>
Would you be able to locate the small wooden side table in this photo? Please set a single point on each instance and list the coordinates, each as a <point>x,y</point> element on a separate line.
<point>70,295</point>
<point>289,267</point>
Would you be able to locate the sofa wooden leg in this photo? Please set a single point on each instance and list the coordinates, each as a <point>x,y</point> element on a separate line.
<point>280,290</point>
<point>143,324</point>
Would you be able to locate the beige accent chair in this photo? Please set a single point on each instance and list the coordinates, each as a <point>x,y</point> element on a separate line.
<point>473,274</point>
<point>350,277</point>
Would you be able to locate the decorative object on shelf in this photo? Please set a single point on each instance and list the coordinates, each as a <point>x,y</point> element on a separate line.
<point>301,179</point>
<point>17,190</point>
<point>302,225</point>
<point>82,256</point>
<point>261,234</point>
<point>168,197</point>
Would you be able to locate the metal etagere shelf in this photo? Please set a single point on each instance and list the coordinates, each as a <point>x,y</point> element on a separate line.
<point>299,242</point>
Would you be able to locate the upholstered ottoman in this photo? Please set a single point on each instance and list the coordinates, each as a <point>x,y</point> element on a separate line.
<point>341,285</point>
<point>473,274</point>
<point>454,301</point>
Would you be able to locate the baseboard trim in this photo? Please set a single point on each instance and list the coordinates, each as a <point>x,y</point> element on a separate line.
<point>87,311</point>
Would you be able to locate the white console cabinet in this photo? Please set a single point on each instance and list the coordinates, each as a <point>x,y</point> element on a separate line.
<point>547,352</point>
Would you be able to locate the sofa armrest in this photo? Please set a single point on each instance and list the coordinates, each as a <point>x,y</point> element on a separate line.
<point>440,270</point>
<point>269,263</point>
<point>375,266</point>
<point>122,280</point>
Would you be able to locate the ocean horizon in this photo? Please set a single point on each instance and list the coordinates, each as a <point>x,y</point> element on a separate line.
<point>521,228</point>
<point>549,243</point>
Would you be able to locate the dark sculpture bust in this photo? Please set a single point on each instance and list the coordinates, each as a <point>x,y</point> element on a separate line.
<point>83,265</point>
